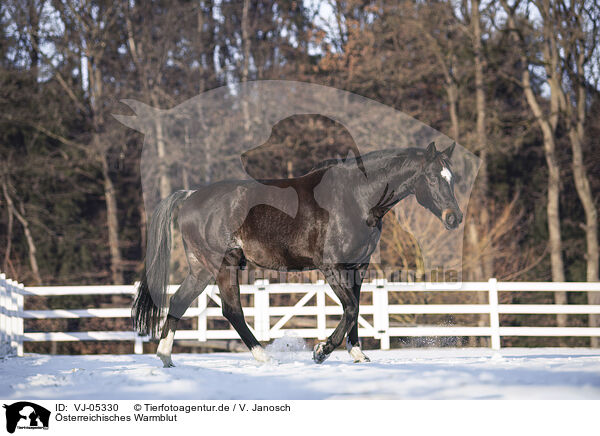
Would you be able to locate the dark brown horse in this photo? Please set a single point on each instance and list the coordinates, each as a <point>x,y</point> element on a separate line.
<point>328,219</point>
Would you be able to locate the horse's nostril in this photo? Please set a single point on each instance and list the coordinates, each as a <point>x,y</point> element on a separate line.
<point>452,220</point>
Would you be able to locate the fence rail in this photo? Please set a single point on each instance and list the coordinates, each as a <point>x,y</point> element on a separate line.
<point>317,300</point>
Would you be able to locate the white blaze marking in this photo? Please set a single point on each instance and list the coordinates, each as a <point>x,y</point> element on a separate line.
<point>446,174</point>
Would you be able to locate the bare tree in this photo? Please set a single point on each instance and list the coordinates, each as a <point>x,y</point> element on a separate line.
<point>480,226</point>
<point>90,27</point>
<point>444,46</point>
<point>547,121</point>
<point>575,36</point>
<point>149,57</point>
<point>20,215</point>
<point>246,61</point>
<point>568,41</point>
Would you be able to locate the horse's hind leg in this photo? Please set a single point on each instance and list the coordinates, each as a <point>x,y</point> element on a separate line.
<point>192,286</point>
<point>353,344</point>
<point>166,341</point>
<point>227,280</point>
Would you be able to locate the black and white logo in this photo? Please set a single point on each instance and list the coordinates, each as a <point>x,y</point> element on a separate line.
<point>26,415</point>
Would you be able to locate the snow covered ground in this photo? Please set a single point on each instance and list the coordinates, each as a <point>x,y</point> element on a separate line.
<point>542,373</point>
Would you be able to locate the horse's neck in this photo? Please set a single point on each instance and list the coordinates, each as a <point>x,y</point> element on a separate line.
<point>389,179</point>
<point>386,180</point>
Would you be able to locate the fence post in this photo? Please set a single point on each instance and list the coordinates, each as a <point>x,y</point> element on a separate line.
<point>4,341</point>
<point>321,318</point>
<point>138,346</point>
<point>262,320</point>
<point>12,316</point>
<point>494,315</point>
<point>138,341</point>
<point>381,318</point>
<point>202,319</point>
<point>19,318</point>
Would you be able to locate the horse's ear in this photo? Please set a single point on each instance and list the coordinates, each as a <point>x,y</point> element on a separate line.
<point>449,150</point>
<point>430,152</point>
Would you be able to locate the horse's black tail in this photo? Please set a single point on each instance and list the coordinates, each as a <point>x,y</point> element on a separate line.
<point>146,315</point>
<point>151,297</point>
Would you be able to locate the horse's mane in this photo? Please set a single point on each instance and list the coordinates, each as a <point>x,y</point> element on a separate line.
<point>368,157</point>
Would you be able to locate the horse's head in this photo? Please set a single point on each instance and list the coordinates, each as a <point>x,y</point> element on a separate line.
<point>434,187</point>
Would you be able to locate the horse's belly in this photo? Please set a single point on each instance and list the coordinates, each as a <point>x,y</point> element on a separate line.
<point>274,254</point>
<point>272,240</point>
<point>282,263</point>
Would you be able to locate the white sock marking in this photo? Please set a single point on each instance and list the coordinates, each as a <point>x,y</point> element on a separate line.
<point>357,354</point>
<point>260,354</point>
<point>165,346</point>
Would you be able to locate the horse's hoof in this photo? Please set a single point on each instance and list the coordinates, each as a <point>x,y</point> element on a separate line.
<point>167,362</point>
<point>357,354</point>
<point>260,355</point>
<point>319,355</point>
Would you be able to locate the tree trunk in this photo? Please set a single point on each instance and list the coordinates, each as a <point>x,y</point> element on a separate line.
<point>452,92</point>
<point>143,224</point>
<point>245,40</point>
<point>34,31</point>
<point>553,183</point>
<point>480,103</point>
<point>582,184</point>
<point>548,126</point>
<point>554,232</point>
<point>553,79</point>
<point>591,228</point>
<point>112,222</point>
<point>552,209</point>
<point>28,237</point>
<point>163,167</point>
<point>135,50</point>
<point>246,66</point>
<point>483,261</point>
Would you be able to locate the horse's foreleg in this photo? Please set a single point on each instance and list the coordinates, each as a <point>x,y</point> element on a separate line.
<point>343,289</point>
<point>189,290</point>
<point>353,343</point>
<point>232,307</point>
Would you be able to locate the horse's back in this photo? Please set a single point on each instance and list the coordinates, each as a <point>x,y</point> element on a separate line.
<point>266,219</point>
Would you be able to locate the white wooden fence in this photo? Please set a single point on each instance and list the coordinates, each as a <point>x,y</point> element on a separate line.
<point>11,319</point>
<point>270,321</point>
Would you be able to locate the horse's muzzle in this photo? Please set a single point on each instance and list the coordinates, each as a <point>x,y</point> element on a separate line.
<point>451,218</point>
